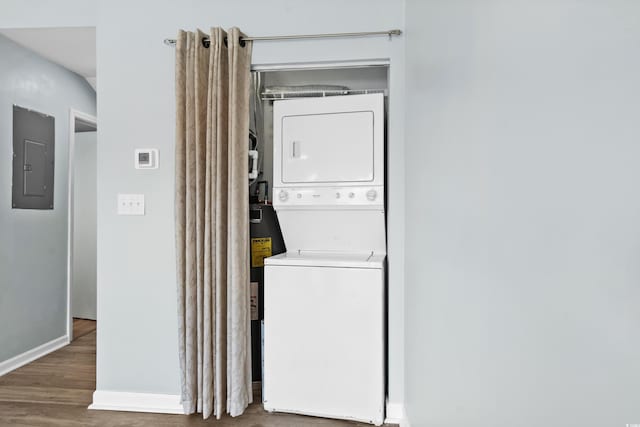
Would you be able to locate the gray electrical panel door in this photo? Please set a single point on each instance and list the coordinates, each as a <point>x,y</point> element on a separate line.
<point>33,159</point>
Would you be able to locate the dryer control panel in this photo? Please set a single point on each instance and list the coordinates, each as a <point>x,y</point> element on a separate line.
<point>330,197</point>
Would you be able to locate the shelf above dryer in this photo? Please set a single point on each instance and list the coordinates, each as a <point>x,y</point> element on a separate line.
<point>312,91</point>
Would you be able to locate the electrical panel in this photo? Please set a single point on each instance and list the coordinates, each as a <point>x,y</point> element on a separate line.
<point>33,159</point>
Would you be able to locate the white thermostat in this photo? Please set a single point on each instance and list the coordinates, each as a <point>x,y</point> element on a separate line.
<point>146,158</point>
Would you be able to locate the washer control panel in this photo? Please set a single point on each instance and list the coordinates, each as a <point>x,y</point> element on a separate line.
<point>329,196</point>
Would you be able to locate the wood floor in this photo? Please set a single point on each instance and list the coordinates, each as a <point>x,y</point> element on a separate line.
<point>56,390</point>
<point>82,327</point>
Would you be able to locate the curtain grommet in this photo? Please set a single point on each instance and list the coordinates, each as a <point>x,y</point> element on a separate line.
<point>241,42</point>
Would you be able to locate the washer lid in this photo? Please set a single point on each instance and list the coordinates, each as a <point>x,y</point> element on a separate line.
<point>345,231</point>
<point>328,259</point>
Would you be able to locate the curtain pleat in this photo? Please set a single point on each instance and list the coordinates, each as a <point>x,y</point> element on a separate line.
<point>180,209</point>
<point>239,316</point>
<point>212,232</point>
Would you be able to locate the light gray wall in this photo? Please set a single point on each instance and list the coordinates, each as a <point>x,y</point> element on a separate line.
<point>523,216</point>
<point>136,273</point>
<point>46,13</point>
<point>83,288</point>
<point>33,243</point>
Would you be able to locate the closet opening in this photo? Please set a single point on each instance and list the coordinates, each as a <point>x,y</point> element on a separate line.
<point>269,87</point>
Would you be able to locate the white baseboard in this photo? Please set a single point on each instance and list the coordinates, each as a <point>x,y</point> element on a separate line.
<point>395,413</point>
<point>33,354</point>
<point>137,402</point>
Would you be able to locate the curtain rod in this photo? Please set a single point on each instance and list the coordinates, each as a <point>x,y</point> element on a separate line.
<point>172,42</point>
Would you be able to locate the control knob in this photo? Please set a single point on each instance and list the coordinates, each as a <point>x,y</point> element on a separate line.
<point>371,195</point>
<point>283,195</point>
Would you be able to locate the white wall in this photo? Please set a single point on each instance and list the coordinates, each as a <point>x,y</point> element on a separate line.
<point>523,216</point>
<point>33,243</point>
<point>136,273</point>
<point>83,288</point>
<point>46,13</point>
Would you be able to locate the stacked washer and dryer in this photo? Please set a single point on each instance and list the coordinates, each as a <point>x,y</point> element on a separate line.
<point>324,307</point>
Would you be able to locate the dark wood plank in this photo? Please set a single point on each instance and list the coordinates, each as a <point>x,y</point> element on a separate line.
<point>82,327</point>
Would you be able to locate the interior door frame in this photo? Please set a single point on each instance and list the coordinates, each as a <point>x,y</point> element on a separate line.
<point>88,118</point>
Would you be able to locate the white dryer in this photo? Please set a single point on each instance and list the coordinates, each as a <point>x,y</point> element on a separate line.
<point>324,298</point>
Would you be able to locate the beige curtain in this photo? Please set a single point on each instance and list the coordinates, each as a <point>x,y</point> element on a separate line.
<point>212,224</point>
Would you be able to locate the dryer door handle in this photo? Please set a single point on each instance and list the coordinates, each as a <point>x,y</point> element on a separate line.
<point>296,147</point>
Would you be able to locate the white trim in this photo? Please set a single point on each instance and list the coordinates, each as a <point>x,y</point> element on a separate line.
<point>394,413</point>
<point>73,115</point>
<point>33,354</point>
<point>137,402</point>
<point>293,66</point>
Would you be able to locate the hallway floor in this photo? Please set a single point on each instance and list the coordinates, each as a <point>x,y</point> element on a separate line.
<point>56,390</point>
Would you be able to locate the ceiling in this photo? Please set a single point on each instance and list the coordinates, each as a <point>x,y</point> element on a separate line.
<point>73,48</point>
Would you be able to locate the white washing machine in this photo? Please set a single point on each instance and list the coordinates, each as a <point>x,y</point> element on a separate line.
<point>324,298</point>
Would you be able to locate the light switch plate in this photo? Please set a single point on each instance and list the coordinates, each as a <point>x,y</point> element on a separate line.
<point>130,204</point>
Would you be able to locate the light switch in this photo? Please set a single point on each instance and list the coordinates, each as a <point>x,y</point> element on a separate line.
<point>130,204</point>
